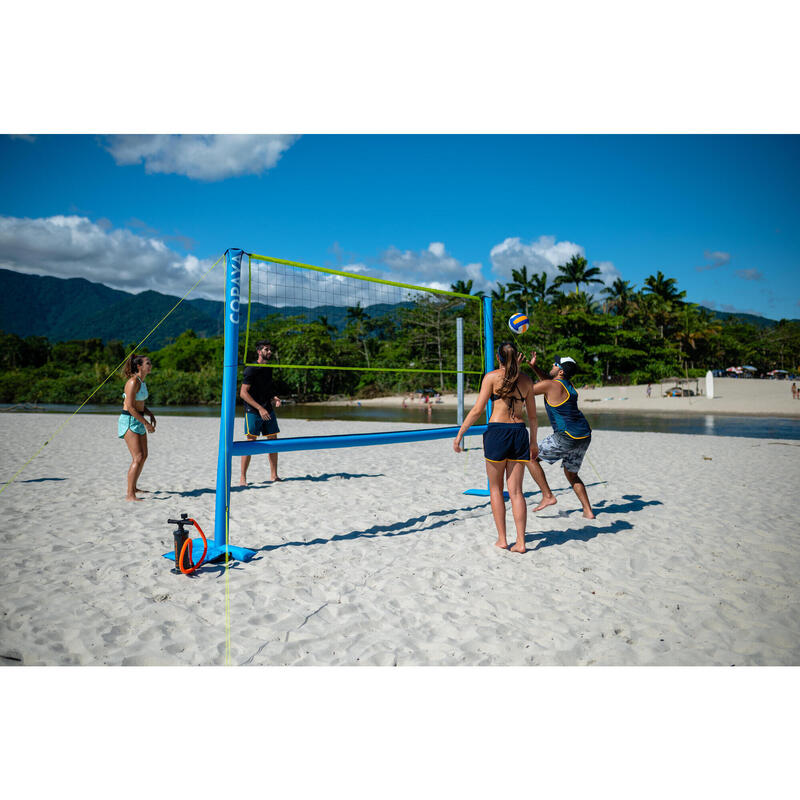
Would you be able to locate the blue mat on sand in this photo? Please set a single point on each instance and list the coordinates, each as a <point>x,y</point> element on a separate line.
<point>235,553</point>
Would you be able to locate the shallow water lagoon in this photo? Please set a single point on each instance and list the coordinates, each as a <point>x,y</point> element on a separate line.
<point>760,427</point>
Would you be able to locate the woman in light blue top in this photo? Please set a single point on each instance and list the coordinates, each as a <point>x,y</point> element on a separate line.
<point>132,426</point>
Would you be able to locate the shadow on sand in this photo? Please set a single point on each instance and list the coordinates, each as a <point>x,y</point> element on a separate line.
<point>263,484</point>
<point>584,534</point>
<point>403,528</point>
<point>635,504</point>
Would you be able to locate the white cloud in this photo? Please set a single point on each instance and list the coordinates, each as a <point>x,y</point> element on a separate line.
<point>608,274</point>
<point>544,254</point>
<point>359,267</point>
<point>717,259</point>
<point>77,247</point>
<point>211,157</point>
<point>749,274</point>
<point>432,267</point>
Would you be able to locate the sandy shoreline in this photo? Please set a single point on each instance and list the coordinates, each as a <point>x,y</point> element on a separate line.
<point>751,397</point>
<point>374,555</point>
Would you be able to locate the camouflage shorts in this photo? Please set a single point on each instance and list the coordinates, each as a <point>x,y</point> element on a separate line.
<point>561,446</point>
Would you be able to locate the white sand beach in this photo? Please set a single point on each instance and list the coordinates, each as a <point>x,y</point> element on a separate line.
<point>374,555</point>
<point>731,396</point>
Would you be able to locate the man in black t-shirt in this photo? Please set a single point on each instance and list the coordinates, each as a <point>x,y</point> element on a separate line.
<point>260,399</point>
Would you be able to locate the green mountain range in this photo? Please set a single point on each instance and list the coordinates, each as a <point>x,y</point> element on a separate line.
<point>65,309</point>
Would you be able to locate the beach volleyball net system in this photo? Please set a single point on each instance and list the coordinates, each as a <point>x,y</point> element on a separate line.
<point>323,319</point>
<point>339,330</point>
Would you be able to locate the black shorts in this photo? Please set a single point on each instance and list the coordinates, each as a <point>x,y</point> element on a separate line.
<point>255,426</point>
<point>506,441</point>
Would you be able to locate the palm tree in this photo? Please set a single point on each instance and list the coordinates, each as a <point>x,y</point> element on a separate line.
<point>619,295</point>
<point>359,322</point>
<point>697,327</point>
<point>465,288</point>
<point>326,325</point>
<point>499,294</point>
<point>522,287</point>
<point>577,271</point>
<point>665,288</point>
<point>541,291</point>
<point>578,301</point>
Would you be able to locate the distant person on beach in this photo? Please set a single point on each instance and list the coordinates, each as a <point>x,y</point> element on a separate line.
<point>260,401</point>
<point>571,434</point>
<point>507,447</point>
<point>132,426</point>
<point>649,390</point>
<point>794,391</point>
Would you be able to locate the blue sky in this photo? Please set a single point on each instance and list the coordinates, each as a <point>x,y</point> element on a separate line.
<point>718,213</point>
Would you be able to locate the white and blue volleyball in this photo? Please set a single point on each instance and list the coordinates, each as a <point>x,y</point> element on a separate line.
<point>518,323</point>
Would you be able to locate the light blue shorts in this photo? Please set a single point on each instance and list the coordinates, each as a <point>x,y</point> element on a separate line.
<point>128,423</point>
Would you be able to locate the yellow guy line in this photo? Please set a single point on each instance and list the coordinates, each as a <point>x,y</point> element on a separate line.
<point>115,372</point>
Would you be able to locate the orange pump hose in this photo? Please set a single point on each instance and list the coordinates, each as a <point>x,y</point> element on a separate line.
<point>188,543</point>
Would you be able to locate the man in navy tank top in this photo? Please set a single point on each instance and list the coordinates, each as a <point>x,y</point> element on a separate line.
<point>571,434</point>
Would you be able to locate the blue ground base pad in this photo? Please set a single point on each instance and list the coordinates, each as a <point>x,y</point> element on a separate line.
<point>236,553</point>
<point>483,493</point>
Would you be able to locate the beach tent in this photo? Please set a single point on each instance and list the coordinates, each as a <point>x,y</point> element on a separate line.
<point>749,368</point>
<point>676,382</point>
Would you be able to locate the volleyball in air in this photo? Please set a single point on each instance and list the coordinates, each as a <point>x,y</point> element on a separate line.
<point>518,323</point>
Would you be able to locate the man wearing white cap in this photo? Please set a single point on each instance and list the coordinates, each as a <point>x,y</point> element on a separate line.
<point>571,434</point>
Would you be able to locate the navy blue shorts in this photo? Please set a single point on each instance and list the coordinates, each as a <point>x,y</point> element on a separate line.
<point>506,441</point>
<point>255,426</point>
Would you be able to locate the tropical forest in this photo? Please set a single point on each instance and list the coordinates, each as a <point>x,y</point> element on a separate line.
<point>619,334</point>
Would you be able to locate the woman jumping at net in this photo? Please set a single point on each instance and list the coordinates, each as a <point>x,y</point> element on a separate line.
<point>132,426</point>
<point>507,447</point>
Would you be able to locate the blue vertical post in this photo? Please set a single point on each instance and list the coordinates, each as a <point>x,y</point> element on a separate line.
<point>233,298</point>
<point>488,346</point>
<point>488,327</point>
<point>488,338</point>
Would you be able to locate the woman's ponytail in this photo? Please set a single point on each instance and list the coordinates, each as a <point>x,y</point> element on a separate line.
<point>508,355</point>
<point>132,365</point>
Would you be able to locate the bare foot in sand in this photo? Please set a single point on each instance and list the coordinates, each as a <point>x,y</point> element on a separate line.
<point>502,545</point>
<point>146,491</point>
<point>518,548</point>
<point>134,499</point>
<point>242,481</point>
<point>276,479</point>
<point>546,501</point>
<point>588,514</point>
